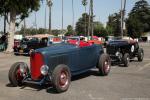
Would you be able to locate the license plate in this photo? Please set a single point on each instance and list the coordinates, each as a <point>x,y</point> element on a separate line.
<point>21,51</point>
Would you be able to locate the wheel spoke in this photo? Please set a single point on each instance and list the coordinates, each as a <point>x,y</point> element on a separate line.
<point>106,66</point>
<point>63,79</point>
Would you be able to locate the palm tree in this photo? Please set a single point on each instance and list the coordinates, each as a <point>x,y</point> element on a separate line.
<point>4,24</point>
<point>84,3</point>
<point>62,15</point>
<point>73,15</point>
<point>90,23</point>
<point>45,17</point>
<point>123,6</point>
<point>91,5</point>
<point>49,3</point>
<point>35,23</point>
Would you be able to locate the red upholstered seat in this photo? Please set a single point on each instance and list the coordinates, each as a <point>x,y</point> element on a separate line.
<point>82,43</point>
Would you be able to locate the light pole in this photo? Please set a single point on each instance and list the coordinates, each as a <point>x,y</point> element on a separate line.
<point>49,3</point>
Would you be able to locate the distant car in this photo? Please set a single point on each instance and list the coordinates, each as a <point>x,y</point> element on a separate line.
<point>95,41</point>
<point>57,63</point>
<point>54,40</point>
<point>110,38</point>
<point>27,45</point>
<point>122,51</point>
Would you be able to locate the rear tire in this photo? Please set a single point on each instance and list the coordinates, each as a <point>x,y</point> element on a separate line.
<point>140,55</point>
<point>126,60</point>
<point>15,76</point>
<point>104,64</point>
<point>61,78</point>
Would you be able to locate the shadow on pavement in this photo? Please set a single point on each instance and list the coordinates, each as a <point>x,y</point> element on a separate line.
<point>50,89</point>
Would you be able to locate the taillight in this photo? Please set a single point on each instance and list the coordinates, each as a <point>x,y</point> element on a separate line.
<point>36,61</point>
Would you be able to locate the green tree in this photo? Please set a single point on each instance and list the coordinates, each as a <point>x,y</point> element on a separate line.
<point>109,30</point>
<point>69,30</point>
<point>41,31</point>
<point>139,19</point>
<point>80,25</point>
<point>17,8</point>
<point>114,24</point>
<point>99,29</point>
<point>57,32</point>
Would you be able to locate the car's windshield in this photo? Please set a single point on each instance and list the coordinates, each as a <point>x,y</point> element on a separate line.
<point>25,40</point>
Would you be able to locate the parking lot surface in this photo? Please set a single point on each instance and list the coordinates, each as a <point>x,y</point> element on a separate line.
<point>123,83</point>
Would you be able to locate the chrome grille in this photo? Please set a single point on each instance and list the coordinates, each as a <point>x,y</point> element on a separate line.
<point>111,49</point>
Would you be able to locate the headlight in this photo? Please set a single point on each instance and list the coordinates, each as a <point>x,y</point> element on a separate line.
<point>23,68</point>
<point>24,46</point>
<point>18,46</point>
<point>117,53</point>
<point>44,70</point>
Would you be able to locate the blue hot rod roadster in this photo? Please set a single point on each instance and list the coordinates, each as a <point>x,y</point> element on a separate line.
<point>56,64</point>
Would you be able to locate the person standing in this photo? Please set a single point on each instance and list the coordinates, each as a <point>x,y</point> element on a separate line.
<point>4,41</point>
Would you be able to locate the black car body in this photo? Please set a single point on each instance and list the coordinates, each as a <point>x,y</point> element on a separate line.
<point>27,45</point>
<point>57,63</point>
<point>123,50</point>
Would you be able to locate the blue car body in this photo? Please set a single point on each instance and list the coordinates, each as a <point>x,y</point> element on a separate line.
<point>78,59</point>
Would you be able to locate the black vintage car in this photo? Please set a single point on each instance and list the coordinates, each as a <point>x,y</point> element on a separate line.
<point>122,51</point>
<point>27,45</point>
<point>54,65</point>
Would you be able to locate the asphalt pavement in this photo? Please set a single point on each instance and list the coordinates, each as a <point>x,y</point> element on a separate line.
<point>123,83</point>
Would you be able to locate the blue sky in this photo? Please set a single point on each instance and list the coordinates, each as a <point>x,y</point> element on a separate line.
<point>102,9</point>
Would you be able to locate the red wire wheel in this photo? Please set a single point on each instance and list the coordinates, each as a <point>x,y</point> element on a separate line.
<point>61,78</point>
<point>104,64</point>
<point>15,76</point>
<point>107,66</point>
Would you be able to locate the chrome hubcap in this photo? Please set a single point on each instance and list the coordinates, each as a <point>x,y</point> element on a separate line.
<point>107,66</point>
<point>141,55</point>
<point>63,79</point>
<point>127,60</point>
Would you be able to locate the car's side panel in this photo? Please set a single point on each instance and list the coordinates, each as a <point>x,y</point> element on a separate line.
<point>69,58</point>
<point>53,61</point>
<point>87,57</point>
<point>77,59</point>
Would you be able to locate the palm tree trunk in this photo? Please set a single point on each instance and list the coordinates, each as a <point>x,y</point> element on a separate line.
<point>45,18</point>
<point>85,21</point>
<point>91,17</point>
<point>50,20</point>
<point>89,23</point>
<point>62,15</point>
<point>4,22</point>
<point>73,16</point>
<point>35,24</point>
<point>11,31</point>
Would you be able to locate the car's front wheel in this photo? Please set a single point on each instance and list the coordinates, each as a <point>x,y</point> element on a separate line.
<point>140,55</point>
<point>126,60</point>
<point>17,73</point>
<point>61,78</point>
<point>104,64</point>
